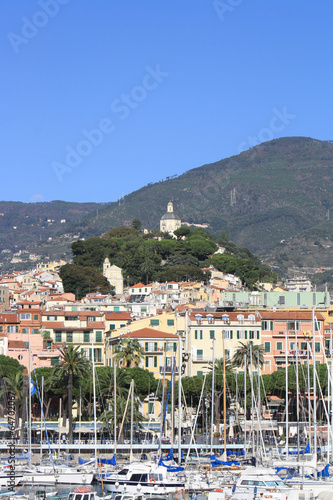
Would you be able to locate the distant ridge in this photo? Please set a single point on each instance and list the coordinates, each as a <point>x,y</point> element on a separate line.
<point>274,198</point>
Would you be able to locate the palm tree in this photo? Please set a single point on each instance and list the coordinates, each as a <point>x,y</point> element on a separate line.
<point>244,351</point>
<point>106,382</point>
<point>129,352</point>
<point>72,365</point>
<point>14,385</point>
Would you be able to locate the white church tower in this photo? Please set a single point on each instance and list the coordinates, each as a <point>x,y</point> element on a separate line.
<point>170,221</point>
<point>114,276</point>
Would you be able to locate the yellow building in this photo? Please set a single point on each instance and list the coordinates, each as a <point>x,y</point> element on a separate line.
<point>226,328</point>
<point>159,348</point>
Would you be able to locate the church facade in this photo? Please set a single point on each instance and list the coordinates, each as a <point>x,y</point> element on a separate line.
<point>114,276</point>
<point>169,222</point>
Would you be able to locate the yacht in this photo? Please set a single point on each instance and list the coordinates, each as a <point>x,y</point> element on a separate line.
<point>143,479</point>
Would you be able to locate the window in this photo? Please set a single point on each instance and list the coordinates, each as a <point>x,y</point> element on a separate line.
<point>199,374</point>
<point>171,346</point>
<point>198,334</point>
<point>240,318</point>
<point>317,347</point>
<point>200,354</point>
<point>25,316</point>
<point>86,337</point>
<point>12,329</point>
<point>292,325</point>
<point>228,334</point>
<point>282,300</point>
<point>304,346</point>
<point>279,346</point>
<point>36,330</point>
<point>251,318</point>
<point>170,322</point>
<point>267,347</point>
<point>98,336</point>
<point>267,325</point>
<point>227,354</point>
<point>151,408</point>
<point>36,317</point>
<point>116,308</point>
<point>112,326</point>
<point>211,334</point>
<point>1,328</point>
<point>210,319</point>
<point>52,318</point>
<point>151,346</point>
<point>54,361</point>
<point>251,334</point>
<point>294,346</point>
<point>25,330</point>
<point>154,322</point>
<point>58,337</point>
<point>69,337</point>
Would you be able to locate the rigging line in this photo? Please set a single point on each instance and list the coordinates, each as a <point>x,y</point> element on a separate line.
<point>270,418</point>
<point>196,416</point>
<point>42,414</point>
<point>187,414</point>
<point>322,397</point>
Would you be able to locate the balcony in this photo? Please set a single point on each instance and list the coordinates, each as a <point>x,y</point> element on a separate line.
<point>302,353</point>
<point>168,370</point>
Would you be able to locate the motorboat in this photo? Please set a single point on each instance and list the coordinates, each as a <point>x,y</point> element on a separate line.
<point>143,479</point>
<point>45,475</point>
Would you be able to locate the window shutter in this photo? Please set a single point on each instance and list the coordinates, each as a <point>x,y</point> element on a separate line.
<point>175,346</point>
<point>263,325</point>
<point>245,334</point>
<point>238,334</point>
<point>271,325</point>
<point>258,334</point>
<point>297,325</point>
<point>146,346</point>
<point>147,361</point>
<point>155,346</point>
<point>231,334</point>
<point>155,361</point>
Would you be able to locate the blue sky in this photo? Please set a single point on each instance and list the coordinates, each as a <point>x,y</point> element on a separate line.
<point>101,97</point>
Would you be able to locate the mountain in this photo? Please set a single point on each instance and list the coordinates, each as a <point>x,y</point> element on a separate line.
<point>274,199</point>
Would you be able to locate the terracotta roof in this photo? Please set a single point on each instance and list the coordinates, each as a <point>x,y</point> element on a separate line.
<point>53,324</point>
<point>289,315</point>
<point>118,315</point>
<point>148,333</point>
<point>96,324</point>
<point>9,318</point>
<point>139,285</point>
<point>16,344</point>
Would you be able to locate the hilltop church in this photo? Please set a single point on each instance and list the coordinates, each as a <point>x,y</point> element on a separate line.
<point>169,222</point>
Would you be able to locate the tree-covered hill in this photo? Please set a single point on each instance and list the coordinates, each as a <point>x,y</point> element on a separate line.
<point>159,257</point>
<point>274,199</point>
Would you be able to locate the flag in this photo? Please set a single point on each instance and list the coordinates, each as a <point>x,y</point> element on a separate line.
<point>32,388</point>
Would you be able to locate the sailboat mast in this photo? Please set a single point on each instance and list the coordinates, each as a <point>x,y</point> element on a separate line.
<point>180,400</point>
<point>94,396</point>
<point>331,350</point>
<point>287,396</point>
<point>224,401</point>
<point>297,390</point>
<point>115,404</point>
<point>132,415</point>
<point>314,386</point>
<point>29,396</point>
<point>245,370</point>
<point>212,407</point>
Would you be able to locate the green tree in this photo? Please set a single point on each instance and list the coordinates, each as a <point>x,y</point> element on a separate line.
<point>81,280</point>
<point>129,352</point>
<point>244,351</point>
<point>72,364</point>
<point>182,232</point>
<point>136,224</point>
